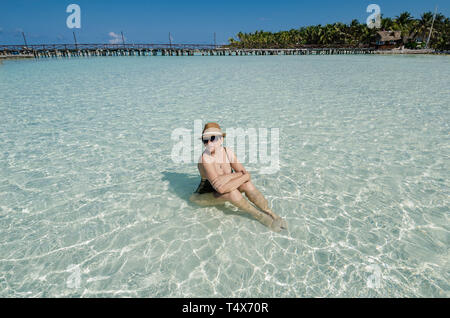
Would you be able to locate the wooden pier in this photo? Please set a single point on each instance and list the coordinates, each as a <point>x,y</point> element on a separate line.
<point>88,50</point>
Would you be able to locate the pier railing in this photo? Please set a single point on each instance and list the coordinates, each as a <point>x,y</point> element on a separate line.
<point>172,49</point>
<point>103,46</point>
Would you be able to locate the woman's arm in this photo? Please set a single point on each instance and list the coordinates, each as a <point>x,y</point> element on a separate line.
<point>223,183</point>
<point>233,184</point>
<point>224,179</point>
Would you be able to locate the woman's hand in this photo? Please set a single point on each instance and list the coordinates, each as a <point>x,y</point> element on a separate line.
<point>247,176</point>
<point>223,179</point>
<point>237,180</point>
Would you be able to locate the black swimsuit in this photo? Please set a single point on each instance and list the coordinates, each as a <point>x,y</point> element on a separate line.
<point>205,186</point>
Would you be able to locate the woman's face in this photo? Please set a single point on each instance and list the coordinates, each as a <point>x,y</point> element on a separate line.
<point>215,144</point>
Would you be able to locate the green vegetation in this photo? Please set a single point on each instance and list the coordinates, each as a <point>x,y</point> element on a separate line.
<point>414,34</point>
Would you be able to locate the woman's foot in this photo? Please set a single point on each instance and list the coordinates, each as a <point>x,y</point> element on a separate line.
<point>276,225</point>
<point>282,223</point>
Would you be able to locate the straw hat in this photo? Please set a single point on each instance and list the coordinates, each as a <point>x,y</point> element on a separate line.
<point>212,129</point>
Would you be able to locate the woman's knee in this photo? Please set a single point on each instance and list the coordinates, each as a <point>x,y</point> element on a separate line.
<point>247,186</point>
<point>234,196</point>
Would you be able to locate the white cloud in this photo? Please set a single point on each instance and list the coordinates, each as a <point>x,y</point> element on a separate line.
<point>115,38</point>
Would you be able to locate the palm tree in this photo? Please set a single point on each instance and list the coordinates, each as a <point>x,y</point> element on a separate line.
<point>352,34</point>
<point>340,33</point>
<point>367,35</point>
<point>386,23</point>
<point>403,19</point>
<point>240,36</point>
<point>423,26</point>
<point>404,23</point>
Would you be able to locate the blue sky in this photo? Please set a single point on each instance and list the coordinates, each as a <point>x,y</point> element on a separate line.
<point>189,21</point>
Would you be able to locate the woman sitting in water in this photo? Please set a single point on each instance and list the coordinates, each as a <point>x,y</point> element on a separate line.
<point>220,184</point>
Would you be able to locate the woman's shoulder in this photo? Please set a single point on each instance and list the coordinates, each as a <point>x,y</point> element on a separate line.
<point>205,158</point>
<point>229,150</point>
<point>230,154</point>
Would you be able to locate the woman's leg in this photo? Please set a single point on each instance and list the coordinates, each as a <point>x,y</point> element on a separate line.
<point>254,195</point>
<point>206,199</point>
<point>236,198</point>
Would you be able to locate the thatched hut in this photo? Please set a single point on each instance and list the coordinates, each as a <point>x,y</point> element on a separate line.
<point>388,39</point>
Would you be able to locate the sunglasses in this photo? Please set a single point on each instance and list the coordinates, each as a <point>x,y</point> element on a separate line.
<point>212,138</point>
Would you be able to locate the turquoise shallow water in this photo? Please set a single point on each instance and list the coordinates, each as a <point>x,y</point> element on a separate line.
<point>92,205</point>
